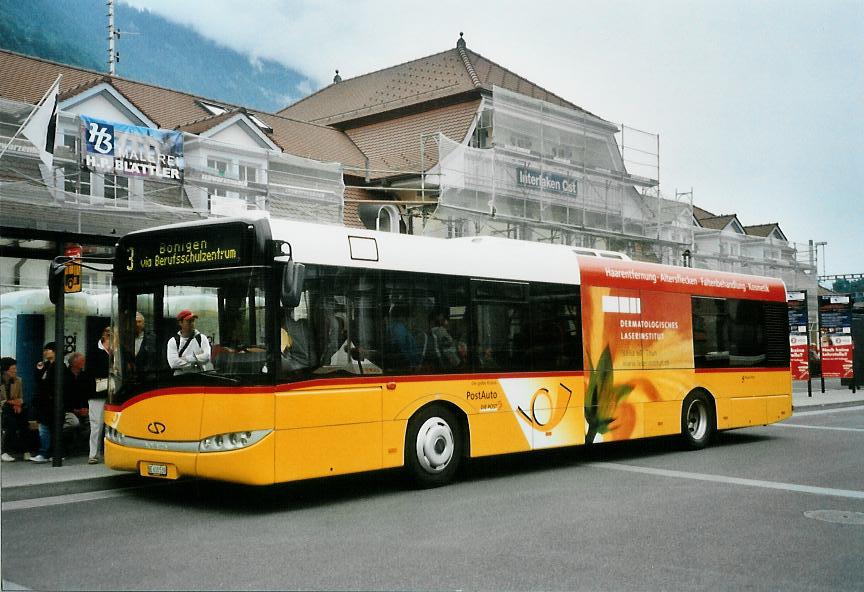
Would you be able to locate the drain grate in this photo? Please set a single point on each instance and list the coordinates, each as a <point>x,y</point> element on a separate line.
<point>836,516</point>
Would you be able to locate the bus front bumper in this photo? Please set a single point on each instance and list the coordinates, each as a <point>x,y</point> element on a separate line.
<point>252,465</point>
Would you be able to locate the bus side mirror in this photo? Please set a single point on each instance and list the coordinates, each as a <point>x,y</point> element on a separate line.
<point>293,275</point>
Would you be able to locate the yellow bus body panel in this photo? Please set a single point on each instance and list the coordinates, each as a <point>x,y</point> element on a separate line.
<point>327,430</point>
<point>749,398</point>
<point>179,414</point>
<point>226,413</point>
<point>340,427</point>
<point>253,465</point>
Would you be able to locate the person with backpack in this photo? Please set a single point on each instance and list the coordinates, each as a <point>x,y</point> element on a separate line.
<point>189,350</point>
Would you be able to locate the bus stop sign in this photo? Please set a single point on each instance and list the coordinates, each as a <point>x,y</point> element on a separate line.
<point>72,273</point>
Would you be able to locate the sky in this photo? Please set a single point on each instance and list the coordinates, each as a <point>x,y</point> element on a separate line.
<point>759,104</point>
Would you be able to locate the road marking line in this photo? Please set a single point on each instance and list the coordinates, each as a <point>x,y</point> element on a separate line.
<point>70,498</point>
<point>806,427</point>
<point>847,493</point>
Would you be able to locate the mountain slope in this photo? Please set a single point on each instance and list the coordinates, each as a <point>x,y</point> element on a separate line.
<point>151,49</point>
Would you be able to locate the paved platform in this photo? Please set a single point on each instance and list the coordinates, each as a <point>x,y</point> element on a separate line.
<point>26,480</point>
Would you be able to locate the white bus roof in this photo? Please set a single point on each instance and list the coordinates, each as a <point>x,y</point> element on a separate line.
<point>481,256</point>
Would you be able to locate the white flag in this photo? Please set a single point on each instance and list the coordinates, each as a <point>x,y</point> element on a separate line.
<point>42,126</point>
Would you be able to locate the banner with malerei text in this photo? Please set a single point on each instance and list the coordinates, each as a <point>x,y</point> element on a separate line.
<point>835,335</point>
<point>131,151</point>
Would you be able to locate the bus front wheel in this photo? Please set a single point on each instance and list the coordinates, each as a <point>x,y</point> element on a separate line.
<point>697,420</point>
<point>433,447</point>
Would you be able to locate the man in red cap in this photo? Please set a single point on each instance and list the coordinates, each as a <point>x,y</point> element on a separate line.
<point>188,350</point>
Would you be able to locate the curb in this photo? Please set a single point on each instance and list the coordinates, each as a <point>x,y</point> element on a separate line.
<point>818,407</point>
<point>83,485</point>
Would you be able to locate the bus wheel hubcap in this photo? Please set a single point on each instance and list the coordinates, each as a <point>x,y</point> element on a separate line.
<point>435,445</point>
<point>697,419</point>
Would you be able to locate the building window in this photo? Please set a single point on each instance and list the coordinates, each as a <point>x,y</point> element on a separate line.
<point>248,173</point>
<point>562,152</point>
<point>482,136</point>
<point>520,141</point>
<point>261,125</point>
<point>76,181</point>
<point>220,167</point>
<point>213,108</point>
<point>117,191</point>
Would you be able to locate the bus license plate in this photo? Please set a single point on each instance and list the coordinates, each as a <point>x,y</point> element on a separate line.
<point>157,470</point>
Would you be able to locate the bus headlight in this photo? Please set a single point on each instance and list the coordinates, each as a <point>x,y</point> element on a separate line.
<point>113,435</point>
<point>217,443</point>
<point>231,441</point>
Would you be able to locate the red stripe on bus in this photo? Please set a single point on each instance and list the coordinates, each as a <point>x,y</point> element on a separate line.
<point>739,370</point>
<point>382,378</point>
<point>190,390</point>
<point>293,386</point>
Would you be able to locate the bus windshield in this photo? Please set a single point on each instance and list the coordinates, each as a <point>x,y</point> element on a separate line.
<point>202,328</point>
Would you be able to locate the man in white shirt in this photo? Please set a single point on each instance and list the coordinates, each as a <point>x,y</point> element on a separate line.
<point>189,350</point>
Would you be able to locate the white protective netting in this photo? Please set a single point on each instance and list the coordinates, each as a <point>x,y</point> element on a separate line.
<point>220,179</point>
<point>556,174</point>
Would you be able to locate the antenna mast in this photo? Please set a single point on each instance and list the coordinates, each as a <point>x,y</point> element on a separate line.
<point>113,34</point>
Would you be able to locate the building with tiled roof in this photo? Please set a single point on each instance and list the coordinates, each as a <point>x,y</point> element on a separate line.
<point>451,144</point>
<point>454,76</point>
<point>235,160</point>
<point>724,222</point>
<point>766,231</point>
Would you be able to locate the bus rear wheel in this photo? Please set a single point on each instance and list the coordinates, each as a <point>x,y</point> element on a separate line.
<point>697,420</point>
<point>433,447</point>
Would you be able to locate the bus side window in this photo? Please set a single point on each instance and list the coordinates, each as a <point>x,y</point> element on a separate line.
<point>501,323</point>
<point>556,327</point>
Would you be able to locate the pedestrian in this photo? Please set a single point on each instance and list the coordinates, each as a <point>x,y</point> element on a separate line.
<point>78,388</point>
<point>44,400</point>
<point>100,366</point>
<point>145,345</point>
<point>14,421</point>
<point>188,350</point>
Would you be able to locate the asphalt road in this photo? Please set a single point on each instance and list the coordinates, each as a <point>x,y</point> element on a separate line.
<point>771,508</point>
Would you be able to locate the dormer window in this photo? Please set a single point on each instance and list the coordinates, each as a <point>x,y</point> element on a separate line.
<point>263,126</point>
<point>213,108</point>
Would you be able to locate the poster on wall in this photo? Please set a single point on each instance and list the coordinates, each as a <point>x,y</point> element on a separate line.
<point>130,150</point>
<point>835,335</point>
<point>799,342</point>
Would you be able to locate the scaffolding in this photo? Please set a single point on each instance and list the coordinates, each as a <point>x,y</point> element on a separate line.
<point>558,175</point>
<point>252,181</point>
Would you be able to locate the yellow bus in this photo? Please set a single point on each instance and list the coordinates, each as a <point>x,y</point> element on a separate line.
<point>324,350</point>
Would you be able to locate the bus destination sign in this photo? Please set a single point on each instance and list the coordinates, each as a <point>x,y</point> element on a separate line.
<point>192,250</point>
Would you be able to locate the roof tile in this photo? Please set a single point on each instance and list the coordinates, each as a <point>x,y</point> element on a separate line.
<point>419,81</point>
<point>26,79</point>
<point>394,145</point>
